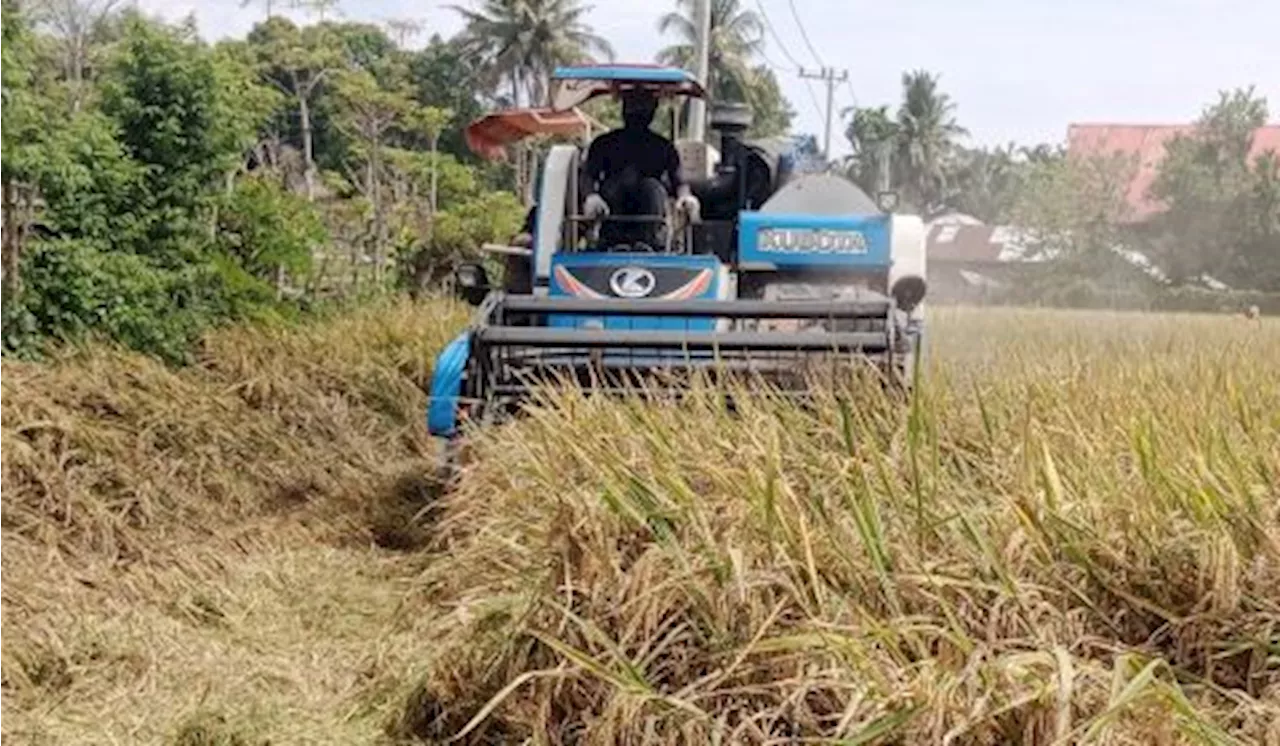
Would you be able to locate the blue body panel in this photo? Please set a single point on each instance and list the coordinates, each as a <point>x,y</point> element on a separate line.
<point>692,262</point>
<point>446,383</point>
<point>574,86</point>
<point>624,73</point>
<point>781,241</point>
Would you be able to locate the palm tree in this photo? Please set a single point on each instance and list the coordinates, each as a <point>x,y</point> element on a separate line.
<point>927,131</point>
<point>985,182</point>
<point>737,35</point>
<point>518,43</point>
<point>873,135</point>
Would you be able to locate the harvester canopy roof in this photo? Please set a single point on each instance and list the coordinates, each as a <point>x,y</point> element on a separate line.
<point>489,135</point>
<point>574,86</point>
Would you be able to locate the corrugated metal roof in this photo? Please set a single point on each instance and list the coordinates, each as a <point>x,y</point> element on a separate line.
<point>952,242</point>
<point>1003,244</point>
<point>961,243</point>
<point>1147,141</point>
<point>955,218</point>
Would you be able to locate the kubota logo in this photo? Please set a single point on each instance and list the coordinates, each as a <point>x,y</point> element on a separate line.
<point>632,282</point>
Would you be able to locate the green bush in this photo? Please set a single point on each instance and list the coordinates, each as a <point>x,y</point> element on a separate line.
<point>264,227</point>
<point>1068,292</point>
<point>1204,300</point>
<point>77,290</point>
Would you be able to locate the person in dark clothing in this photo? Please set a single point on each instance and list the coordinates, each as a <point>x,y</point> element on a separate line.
<point>631,171</point>
<point>518,274</point>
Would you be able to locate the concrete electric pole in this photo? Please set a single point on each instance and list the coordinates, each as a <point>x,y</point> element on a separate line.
<point>830,77</point>
<point>702,50</point>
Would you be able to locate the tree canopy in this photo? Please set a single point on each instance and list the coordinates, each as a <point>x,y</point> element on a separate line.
<point>735,72</point>
<point>155,184</point>
<point>160,184</point>
<point>913,149</point>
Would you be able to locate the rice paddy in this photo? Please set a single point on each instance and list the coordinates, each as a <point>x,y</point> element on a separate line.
<point>1070,536</point>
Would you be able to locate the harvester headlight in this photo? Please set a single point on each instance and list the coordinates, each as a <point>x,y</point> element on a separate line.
<point>908,291</point>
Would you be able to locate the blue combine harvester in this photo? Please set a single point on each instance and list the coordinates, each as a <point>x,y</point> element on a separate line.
<point>776,270</point>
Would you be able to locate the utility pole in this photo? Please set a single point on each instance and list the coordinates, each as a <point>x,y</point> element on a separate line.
<point>702,51</point>
<point>829,76</point>
<point>884,165</point>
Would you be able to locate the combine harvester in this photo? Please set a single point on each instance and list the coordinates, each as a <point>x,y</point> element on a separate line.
<point>781,270</point>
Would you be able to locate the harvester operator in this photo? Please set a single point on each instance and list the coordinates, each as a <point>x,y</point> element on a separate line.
<point>624,174</point>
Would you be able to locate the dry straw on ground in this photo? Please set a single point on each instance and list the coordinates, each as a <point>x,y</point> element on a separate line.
<point>215,554</point>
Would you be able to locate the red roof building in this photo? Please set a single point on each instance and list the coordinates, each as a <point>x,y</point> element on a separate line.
<point>1147,142</point>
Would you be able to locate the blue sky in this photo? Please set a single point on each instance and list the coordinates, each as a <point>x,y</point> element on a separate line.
<point>1019,70</point>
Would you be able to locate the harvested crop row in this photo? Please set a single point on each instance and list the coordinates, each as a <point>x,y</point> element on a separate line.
<point>1072,537</point>
<point>196,555</point>
<point>114,453</point>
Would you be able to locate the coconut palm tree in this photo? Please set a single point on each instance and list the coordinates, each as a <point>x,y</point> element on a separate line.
<point>518,43</point>
<point>984,182</point>
<point>873,135</point>
<point>737,35</point>
<point>927,131</point>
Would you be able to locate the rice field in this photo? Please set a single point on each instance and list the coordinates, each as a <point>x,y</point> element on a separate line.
<point>1070,536</point>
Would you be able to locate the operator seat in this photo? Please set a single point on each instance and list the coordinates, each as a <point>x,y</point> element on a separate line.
<point>639,213</point>
<point>626,168</point>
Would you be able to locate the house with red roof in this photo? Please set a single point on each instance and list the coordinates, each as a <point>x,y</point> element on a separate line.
<point>972,262</point>
<point>1147,143</point>
<point>969,260</point>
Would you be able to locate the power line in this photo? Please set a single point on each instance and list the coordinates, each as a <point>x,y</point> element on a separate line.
<point>813,97</point>
<point>797,69</point>
<point>769,63</point>
<point>803,34</point>
<point>829,76</point>
<point>774,33</point>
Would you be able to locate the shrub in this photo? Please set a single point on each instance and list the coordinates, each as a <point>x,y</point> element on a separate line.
<point>265,227</point>
<point>73,290</point>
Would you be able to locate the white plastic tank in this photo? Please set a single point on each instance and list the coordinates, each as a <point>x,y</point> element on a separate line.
<point>909,258</point>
